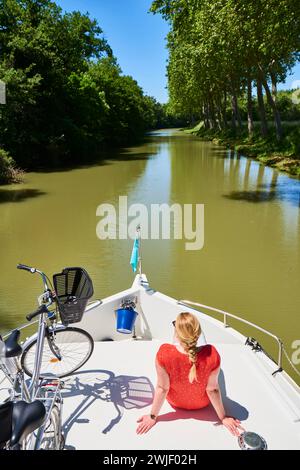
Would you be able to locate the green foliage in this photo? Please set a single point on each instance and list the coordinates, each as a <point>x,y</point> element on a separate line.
<point>293,141</point>
<point>8,171</point>
<point>127,118</point>
<point>219,49</point>
<point>289,110</point>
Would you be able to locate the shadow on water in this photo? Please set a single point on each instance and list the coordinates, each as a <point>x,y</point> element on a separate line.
<point>107,159</point>
<point>253,174</point>
<point>132,156</point>
<point>19,195</point>
<point>224,153</point>
<point>251,196</point>
<point>124,392</point>
<point>62,168</point>
<point>208,413</point>
<point>260,195</point>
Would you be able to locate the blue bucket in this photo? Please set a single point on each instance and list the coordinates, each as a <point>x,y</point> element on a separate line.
<point>125,320</point>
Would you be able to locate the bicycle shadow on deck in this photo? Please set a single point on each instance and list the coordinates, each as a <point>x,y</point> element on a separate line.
<point>124,392</point>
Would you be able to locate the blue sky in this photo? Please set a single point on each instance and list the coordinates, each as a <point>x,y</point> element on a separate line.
<point>292,81</point>
<point>136,37</point>
<point>138,40</point>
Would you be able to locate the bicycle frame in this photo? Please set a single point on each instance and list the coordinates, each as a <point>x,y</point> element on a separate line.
<point>15,375</point>
<point>34,384</point>
<point>50,402</point>
<point>43,386</point>
<point>20,390</point>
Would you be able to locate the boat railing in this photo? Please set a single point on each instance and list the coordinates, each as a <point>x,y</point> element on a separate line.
<point>20,328</point>
<point>227,315</point>
<point>91,304</point>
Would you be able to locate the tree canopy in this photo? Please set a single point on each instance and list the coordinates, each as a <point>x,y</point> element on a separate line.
<point>66,94</point>
<point>219,49</point>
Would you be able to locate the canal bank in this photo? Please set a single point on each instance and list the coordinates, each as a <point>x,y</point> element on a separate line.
<point>284,156</point>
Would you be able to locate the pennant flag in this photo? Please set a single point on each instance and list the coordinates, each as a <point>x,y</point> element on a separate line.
<point>134,260</point>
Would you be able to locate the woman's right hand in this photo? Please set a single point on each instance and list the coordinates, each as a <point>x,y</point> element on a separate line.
<point>233,425</point>
<point>146,423</point>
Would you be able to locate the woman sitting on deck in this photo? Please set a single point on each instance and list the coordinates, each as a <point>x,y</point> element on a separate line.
<point>187,376</point>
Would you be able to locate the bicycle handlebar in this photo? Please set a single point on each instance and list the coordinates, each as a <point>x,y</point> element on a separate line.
<point>26,268</point>
<point>47,297</point>
<point>39,311</point>
<point>33,271</point>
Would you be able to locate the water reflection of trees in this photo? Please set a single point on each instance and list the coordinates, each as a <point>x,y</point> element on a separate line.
<point>254,183</point>
<point>199,168</point>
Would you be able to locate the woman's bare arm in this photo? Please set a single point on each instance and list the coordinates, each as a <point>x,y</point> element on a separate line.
<point>214,394</point>
<point>161,391</point>
<point>162,388</point>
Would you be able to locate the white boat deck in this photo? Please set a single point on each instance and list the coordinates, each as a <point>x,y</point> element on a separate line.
<point>104,401</point>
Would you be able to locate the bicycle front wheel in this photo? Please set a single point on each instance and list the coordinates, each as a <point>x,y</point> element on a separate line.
<point>75,347</point>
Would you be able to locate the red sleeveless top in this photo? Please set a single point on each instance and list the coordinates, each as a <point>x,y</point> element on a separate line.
<point>182,393</point>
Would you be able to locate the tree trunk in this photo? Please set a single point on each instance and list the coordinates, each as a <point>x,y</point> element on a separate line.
<point>238,114</point>
<point>233,114</point>
<point>212,113</point>
<point>224,110</point>
<point>218,107</point>
<point>209,115</point>
<point>250,108</point>
<point>261,109</point>
<point>204,116</point>
<point>274,87</point>
<point>220,120</point>
<point>207,118</point>
<point>272,103</point>
<point>236,111</point>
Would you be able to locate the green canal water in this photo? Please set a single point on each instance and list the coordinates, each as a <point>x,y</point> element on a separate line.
<point>249,264</point>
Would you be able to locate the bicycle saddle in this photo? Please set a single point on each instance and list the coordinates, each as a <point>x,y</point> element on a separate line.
<point>12,347</point>
<point>5,420</point>
<point>20,419</point>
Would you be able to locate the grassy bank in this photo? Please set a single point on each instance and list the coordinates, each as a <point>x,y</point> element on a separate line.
<point>9,173</point>
<point>284,155</point>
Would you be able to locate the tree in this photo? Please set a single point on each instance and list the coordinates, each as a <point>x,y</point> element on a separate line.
<point>221,48</point>
<point>66,94</point>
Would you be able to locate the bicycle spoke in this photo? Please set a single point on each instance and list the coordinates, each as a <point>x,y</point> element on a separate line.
<point>74,347</point>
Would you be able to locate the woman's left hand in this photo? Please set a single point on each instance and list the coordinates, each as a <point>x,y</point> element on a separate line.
<point>233,425</point>
<point>146,423</point>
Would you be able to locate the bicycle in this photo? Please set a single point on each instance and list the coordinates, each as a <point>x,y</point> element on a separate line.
<point>45,362</point>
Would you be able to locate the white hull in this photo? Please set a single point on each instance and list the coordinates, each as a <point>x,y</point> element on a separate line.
<point>103,401</point>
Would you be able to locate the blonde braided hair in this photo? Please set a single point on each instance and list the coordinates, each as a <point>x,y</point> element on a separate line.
<point>188,330</point>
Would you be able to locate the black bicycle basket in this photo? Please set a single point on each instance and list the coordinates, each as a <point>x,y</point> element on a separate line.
<point>73,288</point>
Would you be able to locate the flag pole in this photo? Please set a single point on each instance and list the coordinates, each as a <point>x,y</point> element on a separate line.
<point>138,229</point>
